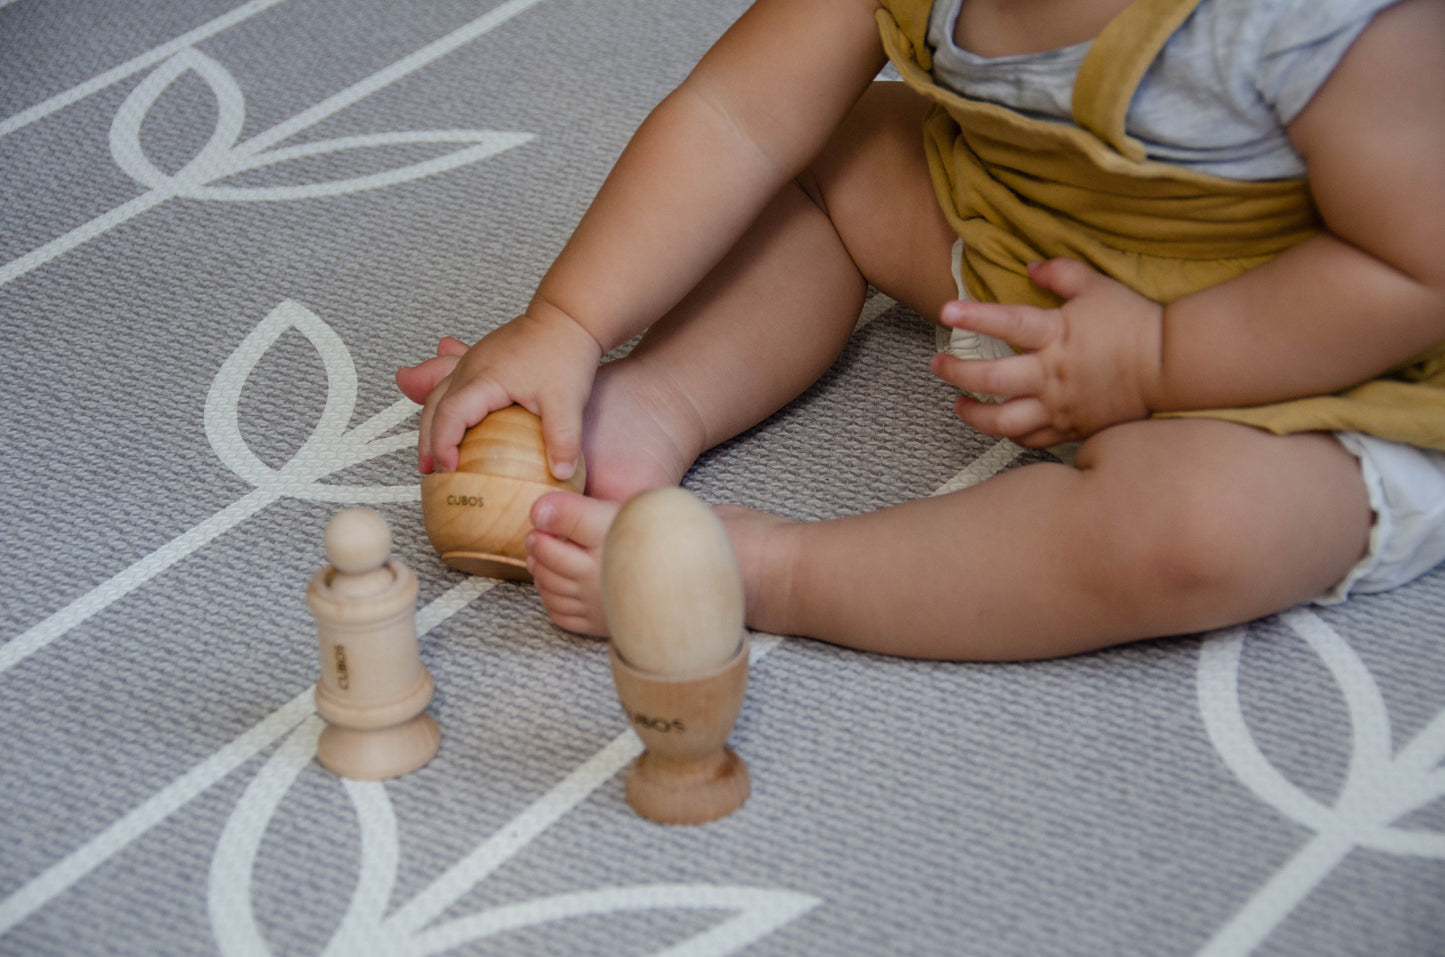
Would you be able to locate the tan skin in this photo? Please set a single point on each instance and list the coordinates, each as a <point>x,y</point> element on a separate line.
<point>813,183</point>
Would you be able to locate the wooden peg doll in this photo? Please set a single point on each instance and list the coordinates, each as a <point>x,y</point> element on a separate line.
<point>374,688</point>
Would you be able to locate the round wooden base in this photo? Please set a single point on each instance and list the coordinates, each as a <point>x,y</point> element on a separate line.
<point>479,523</point>
<point>695,792</point>
<point>373,754</point>
<point>488,565</point>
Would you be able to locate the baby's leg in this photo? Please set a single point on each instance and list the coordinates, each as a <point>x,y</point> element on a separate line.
<point>1165,527</point>
<point>775,314</point>
<point>763,327</point>
<point>757,332</point>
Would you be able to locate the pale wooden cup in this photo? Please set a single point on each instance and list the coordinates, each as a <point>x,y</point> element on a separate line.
<point>687,774</point>
<point>674,599</point>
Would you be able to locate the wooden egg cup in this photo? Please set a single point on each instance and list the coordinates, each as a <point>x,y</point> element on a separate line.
<point>373,687</point>
<point>478,516</point>
<point>688,774</point>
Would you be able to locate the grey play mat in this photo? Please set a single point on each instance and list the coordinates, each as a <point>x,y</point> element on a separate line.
<point>222,226</point>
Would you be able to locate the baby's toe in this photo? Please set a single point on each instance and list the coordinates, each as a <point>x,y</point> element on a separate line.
<point>573,614</point>
<point>552,582</point>
<point>575,518</point>
<point>559,562</point>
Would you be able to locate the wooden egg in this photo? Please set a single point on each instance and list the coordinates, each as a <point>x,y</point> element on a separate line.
<point>674,601</point>
<point>671,587</point>
<point>478,516</point>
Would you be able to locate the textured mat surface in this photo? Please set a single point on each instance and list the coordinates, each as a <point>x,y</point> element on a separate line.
<point>222,226</point>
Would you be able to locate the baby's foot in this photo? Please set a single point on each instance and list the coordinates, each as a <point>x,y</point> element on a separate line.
<point>564,556</point>
<point>641,432</point>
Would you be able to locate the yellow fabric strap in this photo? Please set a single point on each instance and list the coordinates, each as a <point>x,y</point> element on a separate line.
<point>1117,60</point>
<point>907,23</point>
<point>1018,199</point>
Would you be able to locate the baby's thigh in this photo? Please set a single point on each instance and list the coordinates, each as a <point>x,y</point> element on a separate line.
<point>872,180</point>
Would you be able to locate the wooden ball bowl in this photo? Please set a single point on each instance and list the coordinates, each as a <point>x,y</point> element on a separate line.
<point>478,517</point>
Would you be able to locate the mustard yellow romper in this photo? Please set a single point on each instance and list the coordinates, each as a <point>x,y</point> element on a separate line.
<point>1018,189</point>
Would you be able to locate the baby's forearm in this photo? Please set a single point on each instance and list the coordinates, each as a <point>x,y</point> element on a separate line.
<point>1319,318</point>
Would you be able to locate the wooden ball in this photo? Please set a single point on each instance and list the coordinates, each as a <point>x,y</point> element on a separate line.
<point>358,540</point>
<point>507,442</point>
<point>671,586</point>
<point>478,517</point>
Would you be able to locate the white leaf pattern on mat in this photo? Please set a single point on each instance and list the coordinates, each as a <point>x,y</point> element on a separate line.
<point>1381,786</point>
<point>223,156</point>
<point>66,872</point>
<point>331,447</point>
<point>410,930</point>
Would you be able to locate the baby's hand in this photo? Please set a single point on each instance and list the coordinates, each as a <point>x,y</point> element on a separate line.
<point>1091,363</point>
<point>419,381</point>
<point>544,364</point>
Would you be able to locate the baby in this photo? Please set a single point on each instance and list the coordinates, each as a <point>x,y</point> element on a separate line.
<point>1208,232</point>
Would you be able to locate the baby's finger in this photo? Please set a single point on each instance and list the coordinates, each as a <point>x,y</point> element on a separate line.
<point>562,434</point>
<point>1014,376</point>
<point>1011,419</point>
<point>424,463</point>
<point>451,346</point>
<point>1042,438</point>
<point>421,380</point>
<point>1023,327</point>
<point>1066,278</point>
<point>457,411</point>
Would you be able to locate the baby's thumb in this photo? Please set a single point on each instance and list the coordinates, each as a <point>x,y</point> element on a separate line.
<point>562,434</point>
<point>417,382</point>
<point>1066,278</point>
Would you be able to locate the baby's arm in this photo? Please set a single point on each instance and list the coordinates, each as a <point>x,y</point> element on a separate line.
<point>1370,292</point>
<point>748,119</point>
<point>1342,307</point>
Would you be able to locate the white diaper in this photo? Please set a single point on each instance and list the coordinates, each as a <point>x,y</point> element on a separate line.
<point>1407,494</point>
<point>964,343</point>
